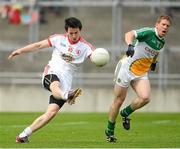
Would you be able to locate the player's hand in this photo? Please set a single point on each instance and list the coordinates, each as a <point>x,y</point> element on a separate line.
<point>153,66</point>
<point>130,51</point>
<point>14,53</point>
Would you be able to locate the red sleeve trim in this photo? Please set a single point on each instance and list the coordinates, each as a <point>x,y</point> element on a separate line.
<point>50,44</point>
<point>87,43</point>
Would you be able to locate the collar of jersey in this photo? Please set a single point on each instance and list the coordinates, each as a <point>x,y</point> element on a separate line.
<point>156,32</point>
<point>72,42</point>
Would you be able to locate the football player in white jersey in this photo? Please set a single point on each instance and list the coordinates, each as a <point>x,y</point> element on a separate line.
<point>69,51</point>
<point>143,48</point>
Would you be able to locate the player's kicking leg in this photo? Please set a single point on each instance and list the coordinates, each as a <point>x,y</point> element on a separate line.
<point>72,95</point>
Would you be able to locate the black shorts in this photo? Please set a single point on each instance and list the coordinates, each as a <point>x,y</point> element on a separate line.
<point>48,79</point>
<point>59,102</point>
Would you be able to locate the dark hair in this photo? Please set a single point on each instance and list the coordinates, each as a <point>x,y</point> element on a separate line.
<point>72,22</point>
<point>166,17</point>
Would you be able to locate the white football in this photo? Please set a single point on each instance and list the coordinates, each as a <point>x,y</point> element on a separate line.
<point>100,57</point>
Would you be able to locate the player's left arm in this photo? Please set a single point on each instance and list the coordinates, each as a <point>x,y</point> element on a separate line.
<point>154,63</point>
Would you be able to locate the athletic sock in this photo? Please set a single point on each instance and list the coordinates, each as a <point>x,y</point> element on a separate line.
<point>26,132</point>
<point>110,127</point>
<point>65,95</point>
<point>126,111</point>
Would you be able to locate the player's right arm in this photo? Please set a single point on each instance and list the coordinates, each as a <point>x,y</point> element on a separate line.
<point>30,48</point>
<point>129,38</point>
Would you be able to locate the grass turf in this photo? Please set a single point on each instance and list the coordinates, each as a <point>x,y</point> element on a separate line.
<point>86,130</point>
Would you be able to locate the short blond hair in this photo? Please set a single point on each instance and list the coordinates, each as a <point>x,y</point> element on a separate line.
<point>162,17</point>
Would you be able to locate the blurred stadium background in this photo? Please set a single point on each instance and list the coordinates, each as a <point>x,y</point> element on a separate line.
<point>104,25</point>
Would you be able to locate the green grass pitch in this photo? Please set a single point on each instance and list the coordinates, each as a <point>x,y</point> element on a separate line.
<point>86,130</point>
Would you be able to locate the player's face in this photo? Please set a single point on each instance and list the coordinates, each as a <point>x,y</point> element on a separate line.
<point>162,27</point>
<point>73,34</point>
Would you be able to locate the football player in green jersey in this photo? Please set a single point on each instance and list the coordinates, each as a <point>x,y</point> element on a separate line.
<point>144,46</point>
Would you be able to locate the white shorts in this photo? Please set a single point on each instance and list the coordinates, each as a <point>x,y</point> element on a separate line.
<point>64,77</point>
<point>123,76</point>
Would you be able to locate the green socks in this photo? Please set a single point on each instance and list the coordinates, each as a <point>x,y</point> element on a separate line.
<point>126,111</point>
<point>110,128</point>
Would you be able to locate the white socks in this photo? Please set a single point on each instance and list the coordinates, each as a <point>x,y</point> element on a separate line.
<point>26,133</point>
<point>66,95</point>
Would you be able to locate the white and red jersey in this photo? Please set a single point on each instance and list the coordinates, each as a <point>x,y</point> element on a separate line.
<point>79,50</point>
<point>63,48</point>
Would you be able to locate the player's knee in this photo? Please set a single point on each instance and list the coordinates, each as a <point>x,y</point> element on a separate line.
<point>146,99</point>
<point>56,95</point>
<point>54,87</point>
<point>119,100</point>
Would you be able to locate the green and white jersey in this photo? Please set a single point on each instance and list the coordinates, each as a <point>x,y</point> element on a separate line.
<point>147,47</point>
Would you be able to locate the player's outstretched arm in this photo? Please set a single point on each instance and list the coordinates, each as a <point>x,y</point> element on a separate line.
<point>29,48</point>
<point>129,37</point>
